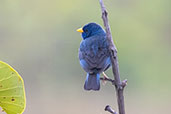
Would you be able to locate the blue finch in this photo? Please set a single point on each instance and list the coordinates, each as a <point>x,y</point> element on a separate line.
<point>93,54</point>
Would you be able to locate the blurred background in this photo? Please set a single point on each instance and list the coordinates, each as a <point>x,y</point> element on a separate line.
<point>39,39</point>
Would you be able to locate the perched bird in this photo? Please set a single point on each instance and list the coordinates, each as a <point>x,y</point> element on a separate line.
<point>93,54</point>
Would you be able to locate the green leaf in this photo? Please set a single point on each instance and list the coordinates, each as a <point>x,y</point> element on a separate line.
<point>12,92</point>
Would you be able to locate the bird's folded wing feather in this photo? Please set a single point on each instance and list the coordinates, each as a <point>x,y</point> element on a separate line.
<point>94,59</point>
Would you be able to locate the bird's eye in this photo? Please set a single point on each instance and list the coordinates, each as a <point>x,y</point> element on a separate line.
<point>86,30</point>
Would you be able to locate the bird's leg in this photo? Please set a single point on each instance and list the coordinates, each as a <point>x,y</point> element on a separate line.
<point>105,76</point>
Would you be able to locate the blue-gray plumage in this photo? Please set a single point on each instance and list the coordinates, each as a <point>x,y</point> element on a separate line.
<point>93,54</point>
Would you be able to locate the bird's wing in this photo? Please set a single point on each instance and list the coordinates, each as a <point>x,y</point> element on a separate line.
<point>87,59</point>
<point>94,54</point>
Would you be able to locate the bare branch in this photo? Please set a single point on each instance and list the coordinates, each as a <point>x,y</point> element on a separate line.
<point>114,60</point>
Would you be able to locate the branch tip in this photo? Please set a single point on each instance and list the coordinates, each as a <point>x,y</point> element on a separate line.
<point>109,109</point>
<point>124,83</point>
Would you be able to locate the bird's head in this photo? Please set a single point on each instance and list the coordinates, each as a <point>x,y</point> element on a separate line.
<point>91,29</point>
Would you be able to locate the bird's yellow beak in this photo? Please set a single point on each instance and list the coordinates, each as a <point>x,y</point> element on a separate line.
<point>80,30</point>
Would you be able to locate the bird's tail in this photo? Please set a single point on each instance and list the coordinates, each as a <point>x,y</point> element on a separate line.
<point>92,82</point>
